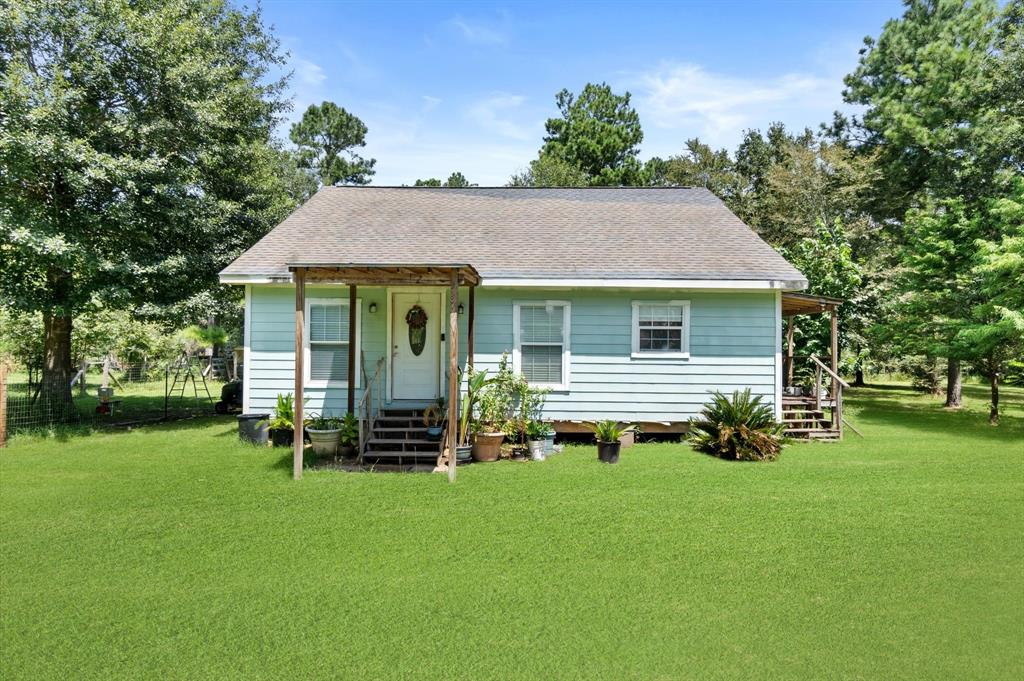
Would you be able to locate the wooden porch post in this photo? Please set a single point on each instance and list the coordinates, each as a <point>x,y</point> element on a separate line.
<point>351,348</point>
<point>470,323</point>
<point>790,329</point>
<point>835,365</point>
<point>300,312</point>
<point>453,373</point>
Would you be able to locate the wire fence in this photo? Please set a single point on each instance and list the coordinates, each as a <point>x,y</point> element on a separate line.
<point>106,395</point>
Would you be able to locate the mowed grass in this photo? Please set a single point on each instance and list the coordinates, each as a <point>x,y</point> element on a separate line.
<point>174,552</point>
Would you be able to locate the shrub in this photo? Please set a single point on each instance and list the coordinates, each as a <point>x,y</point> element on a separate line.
<point>609,431</point>
<point>742,428</point>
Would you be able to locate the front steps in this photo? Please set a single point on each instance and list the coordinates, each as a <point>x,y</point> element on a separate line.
<point>803,420</point>
<point>399,433</point>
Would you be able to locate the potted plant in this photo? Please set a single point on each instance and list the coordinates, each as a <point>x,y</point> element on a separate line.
<point>433,420</point>
<point>488,429</point>
<point>349,436</point>
<point>536,432</point>
<point>324,434</point>
<point>608,434</point>
<point>548,434</point>
<point>475,383</point>
<point>282,424</point>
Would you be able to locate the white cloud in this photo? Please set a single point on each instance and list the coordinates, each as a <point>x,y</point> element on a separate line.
<point>307,73</point>
<point>492,113</point>
<point>479,33</point>
<point>717,107</point>
<point>430,103</point>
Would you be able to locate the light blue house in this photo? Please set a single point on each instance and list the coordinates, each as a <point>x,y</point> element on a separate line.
<point>628,303</point>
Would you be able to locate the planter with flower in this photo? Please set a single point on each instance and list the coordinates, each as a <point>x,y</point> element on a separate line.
<point>536,434</point>
<point>349,436</point>
<point>324,434</point>
<point>282,424</point>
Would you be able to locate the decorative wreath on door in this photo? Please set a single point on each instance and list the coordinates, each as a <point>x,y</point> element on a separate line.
<point>416,318</point>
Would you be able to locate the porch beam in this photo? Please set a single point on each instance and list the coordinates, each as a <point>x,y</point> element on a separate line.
<point>352,348</point>
<point>453,372</point>
<point>300,312</point>
<point>790,330</point>
<point>470,326</point>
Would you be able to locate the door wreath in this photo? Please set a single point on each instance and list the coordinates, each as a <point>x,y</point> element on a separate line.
<point>416,318</point>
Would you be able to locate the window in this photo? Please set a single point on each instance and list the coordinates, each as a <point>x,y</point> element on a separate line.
<point>327,341</point>
<point>661,328</point>
<point>541,331</point>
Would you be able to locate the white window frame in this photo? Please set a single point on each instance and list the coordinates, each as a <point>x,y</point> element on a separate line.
<point>517,356</point>
<point>637,353</point>
<point>307,354</point>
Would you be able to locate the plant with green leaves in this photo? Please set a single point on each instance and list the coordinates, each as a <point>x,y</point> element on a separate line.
<point>326,137</point>
<point>321,422</point>
<point>284,413</point>
<point>740,428</point>
<point>349,426</point>
<point>538,430</point>
<point>476,384</point>
<point>609,431</point>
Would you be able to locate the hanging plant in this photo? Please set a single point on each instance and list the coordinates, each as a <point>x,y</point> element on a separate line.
<point>416,318</point>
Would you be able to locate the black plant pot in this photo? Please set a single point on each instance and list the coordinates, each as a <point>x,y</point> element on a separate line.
<point>608,452</point>
<point>282,438</point>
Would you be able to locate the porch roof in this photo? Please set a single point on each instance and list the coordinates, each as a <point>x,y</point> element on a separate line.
<point>377,274</point>
<point>807,303</point>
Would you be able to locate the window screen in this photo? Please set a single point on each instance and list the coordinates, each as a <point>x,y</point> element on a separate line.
<point>328,341</point>
<point>542,342</point>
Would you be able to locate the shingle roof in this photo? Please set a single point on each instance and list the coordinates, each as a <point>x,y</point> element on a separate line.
<point>588,233</point>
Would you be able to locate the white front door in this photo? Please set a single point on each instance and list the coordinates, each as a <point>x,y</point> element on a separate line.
<point>415,354</point>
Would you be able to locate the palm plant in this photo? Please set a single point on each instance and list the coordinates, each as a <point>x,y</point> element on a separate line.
<point>475,384</point>
<point>740,428</point>
<point>609,430</point>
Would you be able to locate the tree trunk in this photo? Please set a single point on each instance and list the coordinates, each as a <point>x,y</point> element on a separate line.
<point>56,380</point>
<point>858,377</point>
<point>954,385</point>
<point>993,412</point>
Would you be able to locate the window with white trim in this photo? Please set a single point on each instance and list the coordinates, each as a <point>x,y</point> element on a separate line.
<point>542,342</point>
<point>661,328</point>
<point>327,325</point>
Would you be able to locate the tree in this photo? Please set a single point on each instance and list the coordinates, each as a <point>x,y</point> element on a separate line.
<point>702,166</point>
<point>454,180</point>
<point>826,259</point>
<point>326,137</point>
<point>930,120</point>
<point>134,143</point>
<point>598,132</point>
<point>550,171</point>
<point>994,334</point>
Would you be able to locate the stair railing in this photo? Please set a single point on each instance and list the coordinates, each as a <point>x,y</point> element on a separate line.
<point>836,393</point>
<point>369,406</point>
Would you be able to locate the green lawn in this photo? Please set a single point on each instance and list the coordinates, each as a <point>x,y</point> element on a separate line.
<point>174,552</point>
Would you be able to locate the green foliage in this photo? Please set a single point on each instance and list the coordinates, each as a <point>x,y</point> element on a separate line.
<point>205,336</point>
<point>927,90</point>
<point>476,383</point>
<point>349,429</point>
<point>597,132</point>
<point>321,422</point>
<point>550,171</point>
<point>284,413</point>
<point>136,154</point>
<point>326,137</point>
<point>609,431</point>
<point>742,428</point>
<point>454,180</point>
<point>538,430</point>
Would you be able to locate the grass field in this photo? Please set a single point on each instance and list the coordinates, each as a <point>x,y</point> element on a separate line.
<point>174,552</point>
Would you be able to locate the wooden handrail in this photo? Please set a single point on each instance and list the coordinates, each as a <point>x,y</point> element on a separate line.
<point>369,384</point>
<point>829,371</point>
<point>370,392</point>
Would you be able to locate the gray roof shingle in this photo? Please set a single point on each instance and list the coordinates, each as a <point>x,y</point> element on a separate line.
<point>587,233</point>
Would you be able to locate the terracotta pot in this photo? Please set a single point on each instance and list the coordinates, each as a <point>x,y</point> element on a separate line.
<point>608,452</point>
<point>487,446</point>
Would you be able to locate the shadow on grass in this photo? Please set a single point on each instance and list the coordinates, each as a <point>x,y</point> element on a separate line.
<point>902,407</point>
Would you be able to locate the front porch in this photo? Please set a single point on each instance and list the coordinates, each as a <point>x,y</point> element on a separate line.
<point>405,375</point>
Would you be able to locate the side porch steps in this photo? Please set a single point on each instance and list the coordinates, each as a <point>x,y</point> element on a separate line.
<point>803,420</point>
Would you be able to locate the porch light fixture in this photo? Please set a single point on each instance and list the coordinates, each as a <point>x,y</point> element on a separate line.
<point>373,308</point>
<point>461,308</point>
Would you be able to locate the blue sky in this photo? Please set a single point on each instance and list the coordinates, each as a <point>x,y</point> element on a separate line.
<point>468,86</point>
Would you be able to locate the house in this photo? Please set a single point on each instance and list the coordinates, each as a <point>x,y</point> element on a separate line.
<point>628,303</point>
